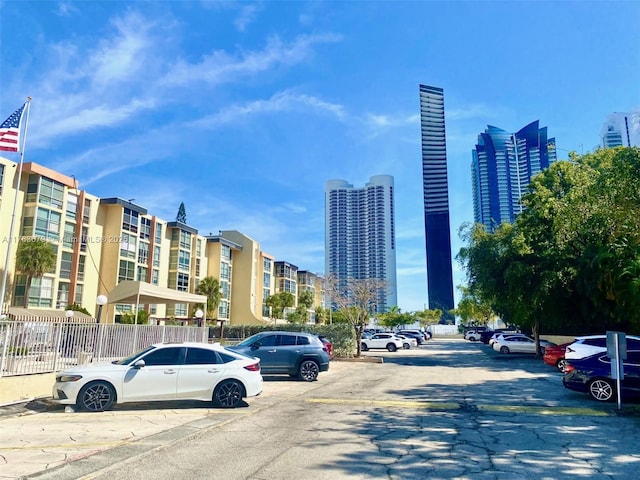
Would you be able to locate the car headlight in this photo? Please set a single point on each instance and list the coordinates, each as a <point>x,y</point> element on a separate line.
<point>68,378</point>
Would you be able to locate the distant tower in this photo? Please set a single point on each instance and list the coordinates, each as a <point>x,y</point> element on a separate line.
<point>360,234</point>
<point>621,130</point>
<point>436,199</point>
<point>501,170</point>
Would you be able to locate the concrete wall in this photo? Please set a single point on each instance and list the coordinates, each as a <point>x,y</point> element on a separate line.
<point>25,387</point>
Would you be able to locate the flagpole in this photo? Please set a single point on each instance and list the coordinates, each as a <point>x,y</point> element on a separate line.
<point>15,206</point>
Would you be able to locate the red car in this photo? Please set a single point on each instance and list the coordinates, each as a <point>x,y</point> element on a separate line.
<point>327,344</point>
<point>554,356</point>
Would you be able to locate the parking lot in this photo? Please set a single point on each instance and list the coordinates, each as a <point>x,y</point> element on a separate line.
<point>450,409</point>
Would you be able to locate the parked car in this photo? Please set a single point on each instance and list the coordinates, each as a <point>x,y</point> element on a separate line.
<point>592,375</point>
<point>554,356</point>
<point>519,344</point>
<point>328,345</point>
<point>485,336</point>
<point>589,345</point>
<point>420,338</point>
<point>165,371</point>
<point>294,353</point>
<point>382,340</point>
<point>407,341</point>
<point>474,334</point>
<point>424,335</point>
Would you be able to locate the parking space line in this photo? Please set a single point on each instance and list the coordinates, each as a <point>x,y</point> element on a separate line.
<point>532,409</point>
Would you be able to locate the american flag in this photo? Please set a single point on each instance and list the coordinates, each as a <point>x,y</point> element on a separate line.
<point>10,131</point>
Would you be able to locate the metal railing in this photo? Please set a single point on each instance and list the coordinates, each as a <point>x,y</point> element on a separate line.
<point>28,347</point>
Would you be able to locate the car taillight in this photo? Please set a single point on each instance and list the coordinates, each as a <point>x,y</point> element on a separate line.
<point>568,368</point>
<point>254,367</point>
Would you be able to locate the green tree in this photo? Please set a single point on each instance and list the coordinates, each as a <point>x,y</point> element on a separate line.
<point>34,257</point>
<point>322,315</point>
<point>278,302</point>
<point>473,310</point>
<point>394,318</point>
<point>428,317</point>
<point>210,287</point>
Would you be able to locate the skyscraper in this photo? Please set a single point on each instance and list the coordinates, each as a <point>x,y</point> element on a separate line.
<point>436,198</point>
<point>501,170</point>
<point>621,130</point>
<point>360,234</point>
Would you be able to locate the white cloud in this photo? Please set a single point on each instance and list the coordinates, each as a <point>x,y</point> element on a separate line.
<point>246,16</point>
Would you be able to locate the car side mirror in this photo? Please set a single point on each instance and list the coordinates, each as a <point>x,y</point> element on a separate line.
<point>139,364</point>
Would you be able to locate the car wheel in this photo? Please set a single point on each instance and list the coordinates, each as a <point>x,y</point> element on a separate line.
<point>309,371</point>
<point>561,364</point>
<point>391,347</point>
<point>504,349</point>
<point>406,346</point>
<point>363,347</point>
<point>601,390</point>
<point>96,397</point>
<point>228,394</point>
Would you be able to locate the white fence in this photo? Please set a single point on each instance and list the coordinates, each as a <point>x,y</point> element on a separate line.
<point>28,347</point>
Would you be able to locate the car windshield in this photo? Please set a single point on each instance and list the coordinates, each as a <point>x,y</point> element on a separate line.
<point>131,358</point>
<point>248,341</point>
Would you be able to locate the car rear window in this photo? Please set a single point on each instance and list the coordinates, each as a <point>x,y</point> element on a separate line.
<point>201,356</point>
<point>302,340</point>
<point>595,342</point>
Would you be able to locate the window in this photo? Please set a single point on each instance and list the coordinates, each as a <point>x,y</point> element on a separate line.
<point>267,341</point>
<point>158,236</point>
<point>225,252</point>
<point>184,261</point>
<point>143,252</point>
<point>142,274</point>
<point>303,340</point>
<point>145,228</point>
<point>130,220</point>
<point>68,238</point>
<point>81,262</point>
<point>63,295</point>
<point>72,206</point>
<point>51,193</point>
<point>185,240</point>
<point>163,356</point>
<point>183,282</point>
<point>65,265</point>
<point>78,297</point>
<point>287,340</point>
<point>201,356</point>
<point>225,271</point>
<point>86,211</point>
<point>48,224</point>
<point>198,247</point>
<point>1,177</point>
<point>156,256</point>
<point>126,271</point>
<point>83,239</point>
<point>128,246</point>
<point>155,275</point>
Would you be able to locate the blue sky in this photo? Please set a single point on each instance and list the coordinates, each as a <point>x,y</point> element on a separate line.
<point>242,110</point>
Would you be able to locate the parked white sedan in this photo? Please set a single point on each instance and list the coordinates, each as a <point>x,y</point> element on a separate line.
<point>386,341</point>
<point>166,371</point>
<point>518,344</point>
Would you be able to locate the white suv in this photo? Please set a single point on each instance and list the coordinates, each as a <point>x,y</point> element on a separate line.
<point>382,340</point>
<point>584,347</point>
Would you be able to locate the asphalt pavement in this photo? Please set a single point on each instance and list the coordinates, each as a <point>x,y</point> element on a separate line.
<point>477,415</point>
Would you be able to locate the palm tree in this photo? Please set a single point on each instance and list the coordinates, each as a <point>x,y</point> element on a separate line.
<point>210,287</point>
<point>34,257</point>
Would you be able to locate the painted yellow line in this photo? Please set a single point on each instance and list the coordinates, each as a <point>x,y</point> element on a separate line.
<point>455,406</point>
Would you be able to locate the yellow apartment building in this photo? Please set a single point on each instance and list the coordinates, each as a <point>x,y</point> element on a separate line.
<point>100,242</point>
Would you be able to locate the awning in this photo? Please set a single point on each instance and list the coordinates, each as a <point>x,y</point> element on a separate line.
<point>23,313</point>
<point>147,294</point>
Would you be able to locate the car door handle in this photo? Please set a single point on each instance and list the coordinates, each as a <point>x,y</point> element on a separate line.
<point>170,372</point>
<point>271,351</point>
<point>213,370</point>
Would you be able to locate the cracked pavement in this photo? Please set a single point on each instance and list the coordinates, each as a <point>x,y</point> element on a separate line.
<point>448,410</point>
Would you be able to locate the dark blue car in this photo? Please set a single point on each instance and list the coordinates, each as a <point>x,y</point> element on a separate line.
<point>593,376</point>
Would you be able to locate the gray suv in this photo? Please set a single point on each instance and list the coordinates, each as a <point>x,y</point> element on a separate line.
<point>294,353</point>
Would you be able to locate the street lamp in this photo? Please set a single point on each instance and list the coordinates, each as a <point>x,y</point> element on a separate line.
<point>199,315</point>
<point>100,301</point>
<point>68,314</point>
